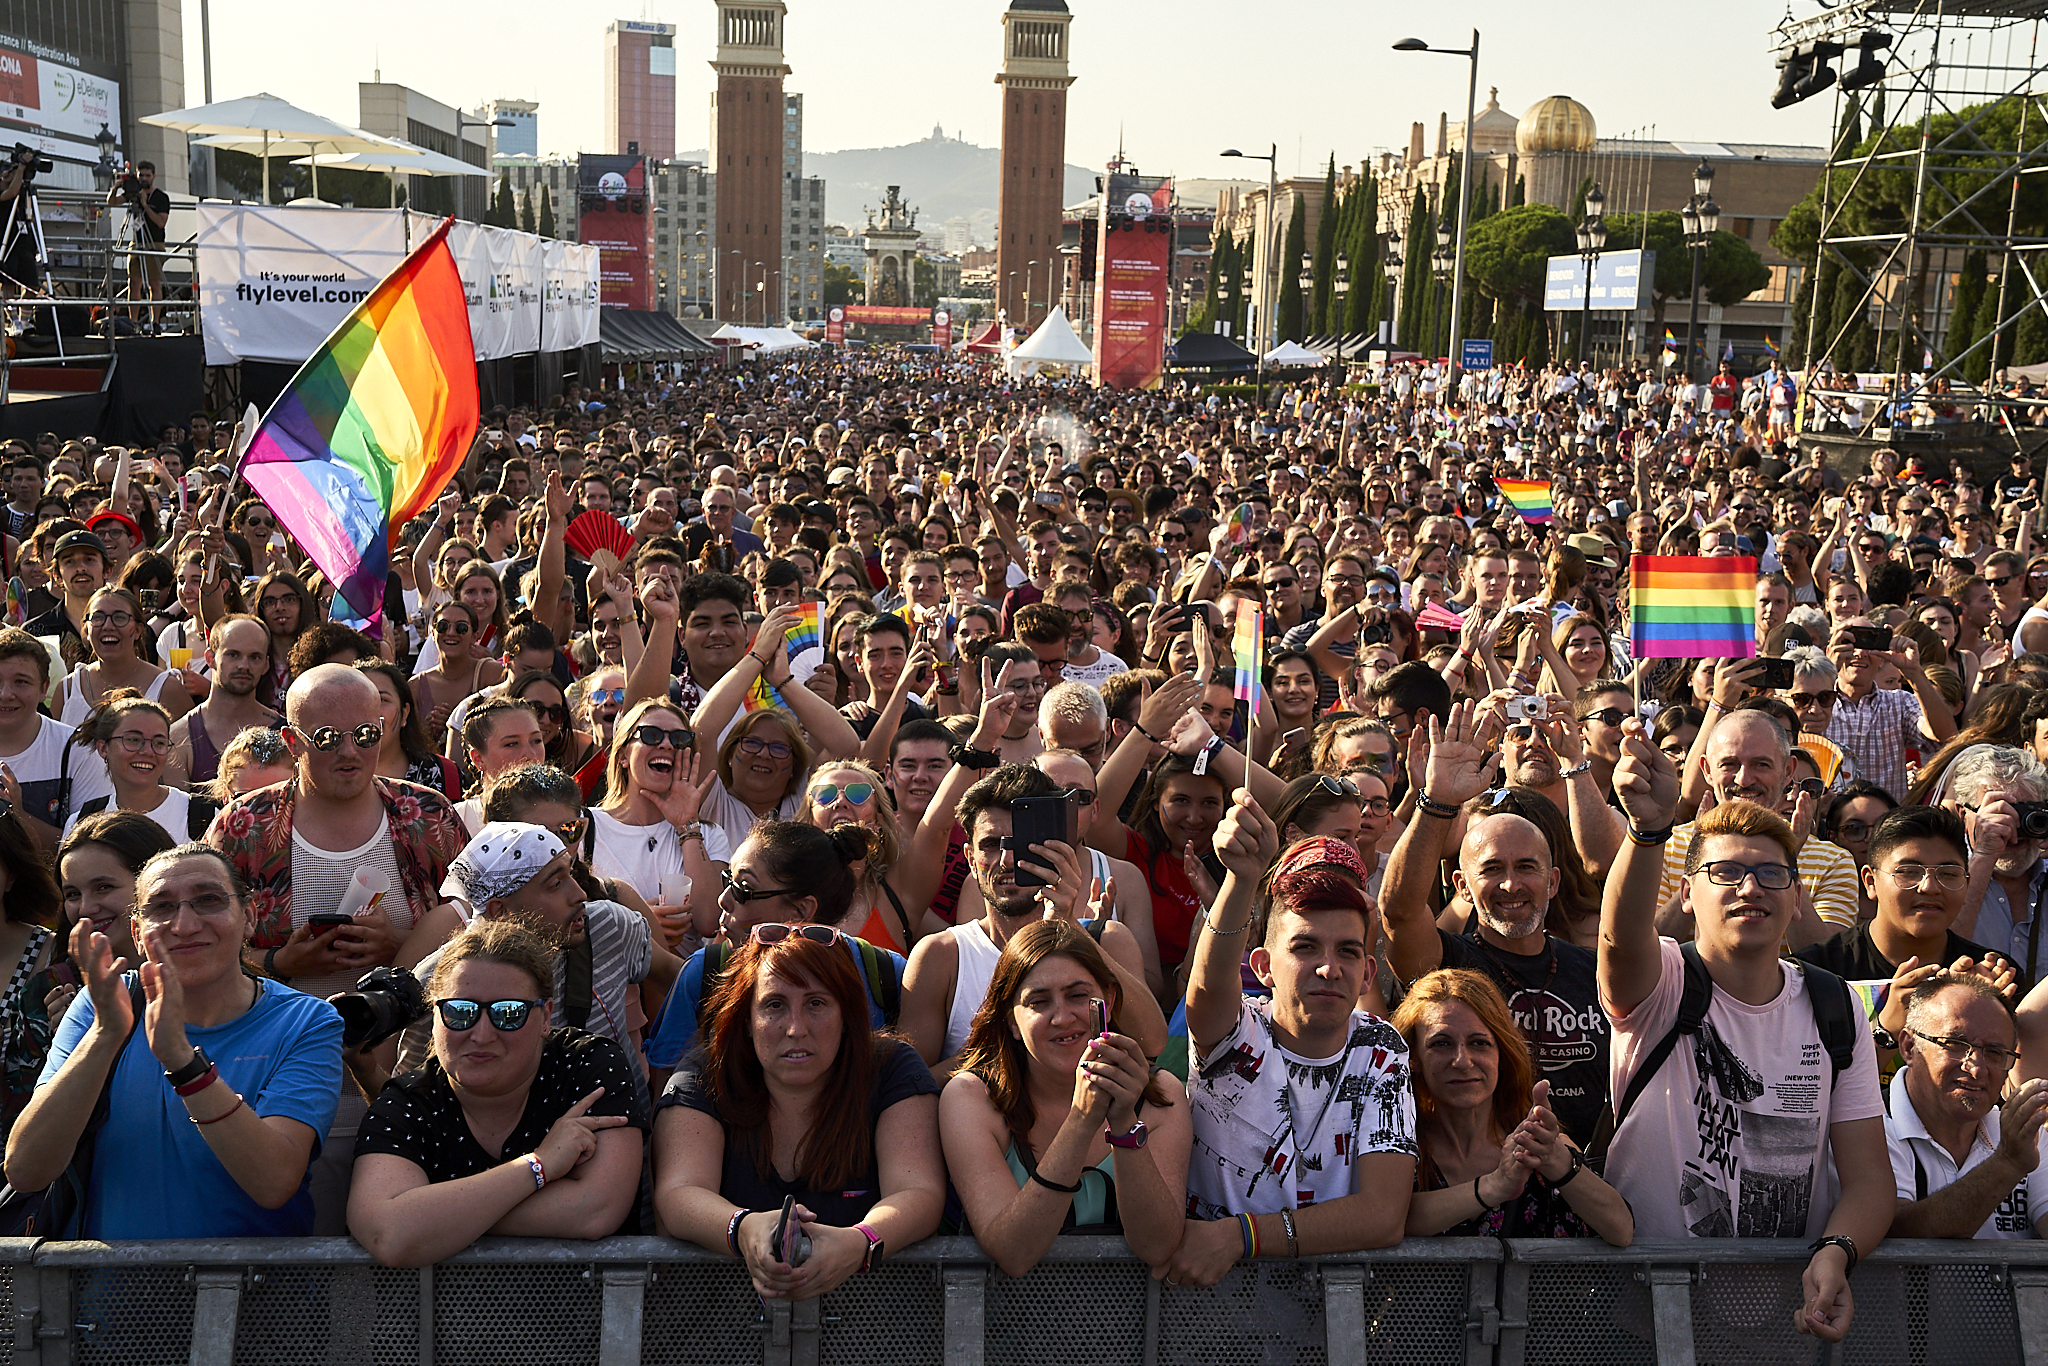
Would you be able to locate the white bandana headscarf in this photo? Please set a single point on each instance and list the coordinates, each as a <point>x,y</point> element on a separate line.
<point>502,858</point>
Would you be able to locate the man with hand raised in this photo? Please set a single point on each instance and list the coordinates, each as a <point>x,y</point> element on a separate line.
<point>1741,1100</point>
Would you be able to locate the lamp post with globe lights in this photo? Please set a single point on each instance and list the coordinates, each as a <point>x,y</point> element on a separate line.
<point>1592,233</point>
<point>1701,219</point>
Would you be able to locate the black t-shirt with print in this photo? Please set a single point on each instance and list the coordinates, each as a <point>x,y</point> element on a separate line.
<point>1555,998</point>
<point>899,1074</point>
<point>417,1116</point>
<point>1854,957</point>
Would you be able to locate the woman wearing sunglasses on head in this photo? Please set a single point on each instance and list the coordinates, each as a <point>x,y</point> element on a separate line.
<point>133,735</point>
<point>1053,1125</point>
<point>851,792</point>
<point>648,827</point>
<point>793,1096</point>
<point>568,748</point>
<point>515,1126</point>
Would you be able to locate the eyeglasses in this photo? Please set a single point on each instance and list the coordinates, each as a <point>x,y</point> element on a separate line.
<point>1853,830</point>
<point>278,601</point>
<point>1607,716</point>
<point>773,933</point>
<point>753,745</point>
<point>1960,1049</point>
<point>1775,877</point>
<point>327,739</point>
<point>207,905</point>
<point>1282,583</point>
<point>1812,787</point>
<point>1802,700</point>
<point>571,832</point>
<point>1173,538</point>
<point>2001,581</point>
<point>443,628</point>
<point>1522,732</point>
<point>857,794</point>
<point>1337,787</point>
<point>600,696</point>
<point>507,1017</point>
<point>259,524</point>
<point>1952,877</point>
<point>133,743</point>
<point>1346,580</point>
<point>742,893</point>
<point>110,619</point>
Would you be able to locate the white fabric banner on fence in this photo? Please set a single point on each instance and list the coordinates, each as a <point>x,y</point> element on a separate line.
<point>569,294</point>
<point>274,283</point>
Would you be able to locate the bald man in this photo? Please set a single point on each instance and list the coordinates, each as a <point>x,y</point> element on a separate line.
<point>1507,870</point>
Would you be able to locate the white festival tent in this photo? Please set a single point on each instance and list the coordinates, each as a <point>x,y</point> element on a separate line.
<point>1054,343</point>
<point>760,341</point>
<point>1293,353</point>
<point>399,156</point>
<point>251,123</point>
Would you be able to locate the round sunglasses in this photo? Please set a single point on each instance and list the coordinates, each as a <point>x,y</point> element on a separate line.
<point>507,1017</point>
<point>327,739</point>
<point>858,794</point>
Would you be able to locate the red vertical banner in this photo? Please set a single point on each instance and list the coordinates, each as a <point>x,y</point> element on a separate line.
<point>612,216</point>
<point>1134,260</point>
<point>942,329</point>
<point>835,325</point>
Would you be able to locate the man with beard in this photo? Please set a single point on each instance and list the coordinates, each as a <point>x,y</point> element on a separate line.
<point>238,648</point>
<point>949,973</point>
<point>81,560</point>
<point>1748,758</point>
<point>1506,870</point>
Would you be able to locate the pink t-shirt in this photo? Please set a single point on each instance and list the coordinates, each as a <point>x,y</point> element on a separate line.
<point>1729,1140</point>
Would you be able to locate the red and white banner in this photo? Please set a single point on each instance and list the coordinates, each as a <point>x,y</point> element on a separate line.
<point>835,325</point>
<point>942,328</point>
<point>613,218</point>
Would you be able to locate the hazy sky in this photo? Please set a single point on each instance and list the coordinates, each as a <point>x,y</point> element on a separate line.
<point>1179,79</point>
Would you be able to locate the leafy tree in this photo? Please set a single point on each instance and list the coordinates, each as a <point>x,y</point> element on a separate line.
<point>1288,318</point>
<point>1506,255</point>
<point>544,221</point>
<point>843,285</point>
<point>1730,272</point>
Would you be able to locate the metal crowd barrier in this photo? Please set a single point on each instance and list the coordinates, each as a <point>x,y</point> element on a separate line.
<point>1429,1302</point>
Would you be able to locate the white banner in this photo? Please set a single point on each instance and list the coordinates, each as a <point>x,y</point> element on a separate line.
<point>569,295</point>
<point>51,104</point>
<point>274,283</point>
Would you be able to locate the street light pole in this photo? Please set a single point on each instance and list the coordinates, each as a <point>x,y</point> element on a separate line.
<point>1390,257</point>
<point>462,122</point>
<point>1592,238</point>
<point>1456,347</point>
<point>1269,272</point>
<point>1701,219</point>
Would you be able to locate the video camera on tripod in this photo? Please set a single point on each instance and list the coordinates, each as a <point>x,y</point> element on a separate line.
<point>32,162</point>
<point>130,186</point>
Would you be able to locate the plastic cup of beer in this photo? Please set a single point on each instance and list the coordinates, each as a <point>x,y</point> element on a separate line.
<point>179,658</point>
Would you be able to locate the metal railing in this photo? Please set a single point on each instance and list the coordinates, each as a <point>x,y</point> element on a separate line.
<point>1439,1301</point>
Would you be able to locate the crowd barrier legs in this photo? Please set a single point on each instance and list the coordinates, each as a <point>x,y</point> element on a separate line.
<point>620,1301</point>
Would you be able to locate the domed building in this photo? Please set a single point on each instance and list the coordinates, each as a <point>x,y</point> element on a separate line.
<point>1554,139</point>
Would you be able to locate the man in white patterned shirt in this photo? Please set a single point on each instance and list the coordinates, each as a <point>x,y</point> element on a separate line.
<point>1878,727</point>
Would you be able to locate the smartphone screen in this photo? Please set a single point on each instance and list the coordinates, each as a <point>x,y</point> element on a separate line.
<point>1870,637</point>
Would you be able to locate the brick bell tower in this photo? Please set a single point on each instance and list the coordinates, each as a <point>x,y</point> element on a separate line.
<point>1034,80</point>
<point>746,156</point>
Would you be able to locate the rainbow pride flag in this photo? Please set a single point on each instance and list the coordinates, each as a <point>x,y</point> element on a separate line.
<point>808,632</point>
<point>1770,347</point>
<point>761,695</point>
<point>1531,498</point>
<point>1692,606</point>
<point>372,427</point>
<point>1249,647</point>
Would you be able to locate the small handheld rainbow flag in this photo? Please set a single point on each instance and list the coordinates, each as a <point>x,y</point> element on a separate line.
<point>1670,342</point>
<point>1531,498</point>
<point>1692,606</point>
<point>807,632</point>
<point>1249,648</point>
<point>1770,347</point>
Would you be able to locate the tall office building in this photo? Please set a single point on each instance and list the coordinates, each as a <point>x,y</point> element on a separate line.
<point>748,131</point>
<point>1034,80</point>
<point>522,137</point>
<point>640,88</point>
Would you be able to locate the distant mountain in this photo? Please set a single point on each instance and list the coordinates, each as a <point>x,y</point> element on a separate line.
<point>943,177</point>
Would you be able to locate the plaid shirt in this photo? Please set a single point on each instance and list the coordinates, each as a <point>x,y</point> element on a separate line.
<point>1877,732</point>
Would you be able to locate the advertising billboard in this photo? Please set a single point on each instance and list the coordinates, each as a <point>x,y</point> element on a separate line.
<point>835,325</point>
<point>1134,258</point>
<point>1621,279</point>
<point>613,216</point>
<point>894,315</point>
<point>942,328</point>
<point>51,103</point>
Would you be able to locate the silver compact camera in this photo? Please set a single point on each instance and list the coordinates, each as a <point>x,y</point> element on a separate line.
<point>1528,709</point>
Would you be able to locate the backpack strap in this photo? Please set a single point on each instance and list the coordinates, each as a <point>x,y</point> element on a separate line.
<point>882,981</point>
<point>1693,1000</point>
<point>1835,1015</point>
<point>93,807</point>
<point>577,990</point>
<point>199,814</point>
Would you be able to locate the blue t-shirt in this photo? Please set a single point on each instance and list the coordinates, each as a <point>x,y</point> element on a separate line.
<point>153,1175</point>
<point>677,1028</point>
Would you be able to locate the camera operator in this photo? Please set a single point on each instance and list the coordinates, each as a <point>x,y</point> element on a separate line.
<point>18,268</point>
<point>149,210</point>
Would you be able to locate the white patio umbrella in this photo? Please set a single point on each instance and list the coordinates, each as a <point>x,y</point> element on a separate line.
<point>401,156</point>
<point>252,123</point>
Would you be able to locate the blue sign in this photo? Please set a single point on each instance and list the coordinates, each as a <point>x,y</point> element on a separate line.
<point>1620,280</point>
<point>1478,354</point>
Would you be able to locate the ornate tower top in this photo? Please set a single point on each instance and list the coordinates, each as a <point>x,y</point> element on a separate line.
<point>750,38</point>
<point>1035,44</point>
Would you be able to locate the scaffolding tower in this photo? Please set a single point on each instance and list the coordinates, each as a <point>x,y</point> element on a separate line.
<point>1945,57</point>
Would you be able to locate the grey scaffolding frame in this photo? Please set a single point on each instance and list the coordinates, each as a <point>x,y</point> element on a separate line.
<point>1945,58</point>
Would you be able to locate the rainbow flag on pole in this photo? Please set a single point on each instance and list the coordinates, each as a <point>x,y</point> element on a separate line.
<point>1692,606</point>
<point>372,427</point>
<point>1531,498</point>
<point>1249,647</point>
<point>1770,347</point>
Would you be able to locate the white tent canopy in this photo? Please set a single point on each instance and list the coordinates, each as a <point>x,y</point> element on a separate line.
<point>1293,353</point>
<point>761,341</point>
<point>401,157</point>
<point>251,123</point>
<point>1054,343</point>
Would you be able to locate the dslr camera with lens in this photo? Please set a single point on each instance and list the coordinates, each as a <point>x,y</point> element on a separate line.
<point>386,1001</point>
<point>33,162</point>
<point>2032,822</point>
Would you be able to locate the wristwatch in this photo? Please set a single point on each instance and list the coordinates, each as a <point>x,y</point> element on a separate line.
<point>1136,1137</point>
<point>191,1071</point>
<point>1578,1165</point>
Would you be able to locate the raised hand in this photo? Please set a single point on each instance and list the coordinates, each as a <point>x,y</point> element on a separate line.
<point>1246,840</point>
<point>1459,765</point>
<point>1645,779</point>
<point>572,1140</point>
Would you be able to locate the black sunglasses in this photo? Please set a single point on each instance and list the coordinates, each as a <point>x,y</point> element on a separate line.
<point>1609,716</point>
<point>742,893</point>
<point>652,736</point>
<point>508,1017</point>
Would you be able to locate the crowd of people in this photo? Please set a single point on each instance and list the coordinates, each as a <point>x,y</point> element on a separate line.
<point>803,809</point>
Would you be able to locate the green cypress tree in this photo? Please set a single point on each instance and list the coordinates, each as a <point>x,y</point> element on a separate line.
<point>1964,308</point>
<point>1290,316</point>
<point>502,214</point>
<point>1325,254</point>
<point>526,210</point>
<point>2030,340</point>
<point>544,220</point>
<point>1416,247</point>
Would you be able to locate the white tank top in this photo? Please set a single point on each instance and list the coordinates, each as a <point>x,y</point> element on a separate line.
<point>977,966</point>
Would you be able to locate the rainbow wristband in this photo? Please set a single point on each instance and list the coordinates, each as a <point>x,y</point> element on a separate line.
<point>1251,1236</point>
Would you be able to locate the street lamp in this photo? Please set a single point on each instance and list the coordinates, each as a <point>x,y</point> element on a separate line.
<point>741,302</point>
<point>1271,246</point>
<point>1440,265</point>
<point>1701,219</point>
<point>1592,232</point>
<point>1456,347</point>
<point>1306,279</point>
<point>1390,257</point>
<point>463,121</point>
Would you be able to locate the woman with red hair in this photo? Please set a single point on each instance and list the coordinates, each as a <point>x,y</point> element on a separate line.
<point>1493,1161</point>
<point>791,1094</point>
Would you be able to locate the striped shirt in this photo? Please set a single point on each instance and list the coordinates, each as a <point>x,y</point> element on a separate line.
<point>1877,732</point>
<point>1827,870</point>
